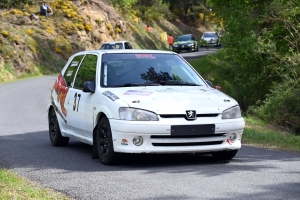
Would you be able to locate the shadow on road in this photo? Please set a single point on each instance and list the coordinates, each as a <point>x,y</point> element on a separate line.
<point>35,150</point>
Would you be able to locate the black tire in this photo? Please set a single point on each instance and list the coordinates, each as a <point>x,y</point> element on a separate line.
<point>224,155</point>
<point>54,131</point>
<point>104,144</point>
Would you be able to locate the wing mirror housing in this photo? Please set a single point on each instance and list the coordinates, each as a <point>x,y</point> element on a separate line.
<point>89,86</point>
<point>209,83</point>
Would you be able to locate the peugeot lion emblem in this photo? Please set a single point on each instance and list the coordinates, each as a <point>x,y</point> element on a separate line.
<point>191,114</point>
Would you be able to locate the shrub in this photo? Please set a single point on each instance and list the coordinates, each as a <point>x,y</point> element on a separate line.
<point>49,30</point>
<point>62,45</point>
<point>80,26</point>
<point>88,27</point>
<point>118,30</point>
<point>99,21</point>
<point>32,45</point>
<point>88,16</point>
<point>30,32</point>
<point>109,27</point>
<point>16,12</point>
<point>15,4</point>
<point>5,33</point>
<point>69,28</point>
<point>282,105</point>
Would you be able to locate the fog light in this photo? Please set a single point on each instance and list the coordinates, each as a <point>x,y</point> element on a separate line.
<point>233,137</point>
<point>138,141</point>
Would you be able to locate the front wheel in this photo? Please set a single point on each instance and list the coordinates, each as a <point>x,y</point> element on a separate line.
<point>54,131</point>
<point>224,155</point>
<point>104,143</point>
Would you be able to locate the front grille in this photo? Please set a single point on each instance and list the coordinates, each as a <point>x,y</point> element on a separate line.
<point>186,144</point>
<point>187,136</point>
<point>184,116</point>
<point>187,140</point>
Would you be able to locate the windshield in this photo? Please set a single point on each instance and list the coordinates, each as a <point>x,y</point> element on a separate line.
<point>184,38</point>
<point>129,69</point>
<point>209,35</point>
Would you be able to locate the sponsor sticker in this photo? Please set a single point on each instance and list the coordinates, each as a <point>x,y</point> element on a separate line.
<point>137,92</point>
<point>111,95</point>
<point>138,56</point>
<point>170,90</point>
<point>70,73</point>
<point>74,64</point>
<point>124,142</point>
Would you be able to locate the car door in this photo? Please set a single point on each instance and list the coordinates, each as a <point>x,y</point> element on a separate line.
<point>80,110</point>
<point>65,80</point>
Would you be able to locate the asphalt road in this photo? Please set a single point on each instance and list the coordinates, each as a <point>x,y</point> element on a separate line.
<point>203,51</point>
<point>255,173</point>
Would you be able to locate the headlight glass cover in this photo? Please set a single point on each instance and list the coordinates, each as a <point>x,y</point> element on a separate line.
<point>232,113</point>
<point>133,114</point>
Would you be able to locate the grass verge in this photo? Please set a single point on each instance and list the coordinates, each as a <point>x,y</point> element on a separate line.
<point>260,134</point>
<point>13,186</point>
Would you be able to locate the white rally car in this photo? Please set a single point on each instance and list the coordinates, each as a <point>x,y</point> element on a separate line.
<point>141,101</point>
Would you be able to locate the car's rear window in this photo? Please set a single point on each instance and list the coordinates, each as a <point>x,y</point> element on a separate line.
<point>126,68</point>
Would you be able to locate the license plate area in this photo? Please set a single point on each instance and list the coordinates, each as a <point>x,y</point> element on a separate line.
<point>203,129</point>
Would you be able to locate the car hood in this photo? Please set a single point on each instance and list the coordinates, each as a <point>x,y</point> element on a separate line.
<point>175,99</point>
<point>184,42</point>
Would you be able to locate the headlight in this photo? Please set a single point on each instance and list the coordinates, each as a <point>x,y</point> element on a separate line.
<point>192,44</point>
<point>232,113</point>
<point>132,114</point>
<point>175,45</point>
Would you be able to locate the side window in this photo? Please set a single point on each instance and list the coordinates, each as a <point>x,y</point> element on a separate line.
<point>119,46</point>
<point>129,45</point>
<point>87,71</point>
<point>71,70</point>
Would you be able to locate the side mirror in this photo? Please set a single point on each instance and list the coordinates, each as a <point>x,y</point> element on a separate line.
<point>209,83</point>
<point>89,86</point>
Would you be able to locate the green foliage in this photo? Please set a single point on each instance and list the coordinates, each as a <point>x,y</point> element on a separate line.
<point>6,4</point>
<point>123,3</point>
<point>262,48</point>
<point>213,70</point>
<point>282,107</point>
<point>152,10</point>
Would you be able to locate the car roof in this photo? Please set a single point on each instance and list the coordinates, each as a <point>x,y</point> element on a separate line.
<point>113,42</point>
<point>137,51</point>
<point>185,35</point>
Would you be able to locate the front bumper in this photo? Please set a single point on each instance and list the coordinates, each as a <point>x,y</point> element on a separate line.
<point>211,43</point>
<point>184,47</point>
<point>157,137</point>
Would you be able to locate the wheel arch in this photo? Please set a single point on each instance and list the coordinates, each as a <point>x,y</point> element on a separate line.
<point>48,110</point>
<point>99,116</point>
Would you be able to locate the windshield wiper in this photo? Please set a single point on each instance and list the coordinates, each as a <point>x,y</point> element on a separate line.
<point>127,85</point>
<point>136,84</point>
<point>178,83</point>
